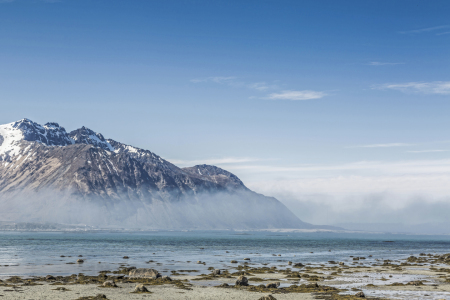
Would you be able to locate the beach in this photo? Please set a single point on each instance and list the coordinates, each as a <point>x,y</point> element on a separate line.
<point>224,274</point>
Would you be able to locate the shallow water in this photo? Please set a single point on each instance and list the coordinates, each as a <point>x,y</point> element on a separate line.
<point>29,254</point>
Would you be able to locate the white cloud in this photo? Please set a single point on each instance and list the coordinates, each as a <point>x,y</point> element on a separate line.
<point>261,86</point>
<point>390,145</point>
<point>427,151</point>
<point>234,82</point>
<point>216,79</point>
<point>422,30</point>
<point>377,63</point>
<point>297,95</point>
<point>213,161</point>
<point>435,87</point>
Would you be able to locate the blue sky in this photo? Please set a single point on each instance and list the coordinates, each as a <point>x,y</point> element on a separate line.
<point>291,96</point>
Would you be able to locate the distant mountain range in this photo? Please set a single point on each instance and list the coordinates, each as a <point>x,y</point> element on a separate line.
<point>48,174</point>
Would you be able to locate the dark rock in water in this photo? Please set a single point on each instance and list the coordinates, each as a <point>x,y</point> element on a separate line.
<point>80,255</point>
<point>273,285</point>
<point>144,273</point>
<point>299,265</point>
<point>109,283</point>
<point>234,262</point>
<point>140,288</point>
<point>80,261</point>
<point>290,263</point>
<point>242,281</point>
<point>267,297</point>
<point>216,272</point>
<point>166,278</point>
<point>360,294</point>
<point>50,277</point>
<point>246,258</point>
<point>125,257</point>
<point>416,283</point>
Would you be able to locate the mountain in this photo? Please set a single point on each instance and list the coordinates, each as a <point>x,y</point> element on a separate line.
<point>48,174</point>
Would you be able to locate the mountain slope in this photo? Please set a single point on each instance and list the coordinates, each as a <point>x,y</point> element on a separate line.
<point>47,174</point>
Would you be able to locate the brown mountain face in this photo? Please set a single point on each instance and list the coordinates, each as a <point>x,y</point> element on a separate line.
<point>47,174</point>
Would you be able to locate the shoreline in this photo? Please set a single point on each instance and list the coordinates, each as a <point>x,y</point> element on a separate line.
<point>415,277</point>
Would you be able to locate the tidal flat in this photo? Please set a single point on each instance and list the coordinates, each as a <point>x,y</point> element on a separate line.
<point>226,265</point>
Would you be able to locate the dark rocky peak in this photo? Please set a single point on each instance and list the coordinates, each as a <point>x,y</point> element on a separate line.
<point>142,155</point>
<point>216,175</point>
<point>52,125</point>
<point>51,134</point>
<point>85,135</point>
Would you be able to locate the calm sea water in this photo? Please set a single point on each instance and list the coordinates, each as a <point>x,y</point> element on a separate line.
<point>29,254</point>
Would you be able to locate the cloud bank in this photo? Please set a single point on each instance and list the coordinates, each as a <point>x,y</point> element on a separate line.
<point>407,192</point>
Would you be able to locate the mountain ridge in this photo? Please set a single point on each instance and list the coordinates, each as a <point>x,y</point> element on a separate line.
<point>122,184</point>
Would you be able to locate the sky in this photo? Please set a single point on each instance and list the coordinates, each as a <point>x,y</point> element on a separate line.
<point>337,108</point>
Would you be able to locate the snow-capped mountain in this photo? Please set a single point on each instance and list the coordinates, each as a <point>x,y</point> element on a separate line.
<point>47,174</point>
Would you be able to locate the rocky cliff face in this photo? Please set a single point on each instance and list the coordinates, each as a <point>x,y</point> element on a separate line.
<point>47,174</point>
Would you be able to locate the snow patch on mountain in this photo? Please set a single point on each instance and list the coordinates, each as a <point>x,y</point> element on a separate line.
<point>10,140</point>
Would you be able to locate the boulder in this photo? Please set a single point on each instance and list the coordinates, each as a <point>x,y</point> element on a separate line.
<point>234,262</point>
<point>166,278</point>
<point>50,277</point>
<point>80,261</point>
<point>242,281</point>
<point>267,297</point>
<point>144,273</point>
<point>216,272</point>
<point>223,285</point>
<point>273,285</point>
<point>109,283</point>
<point>140,288</point>
<point>360,295</point>
<point>299,265</point>
<point>246,258</point>
<point>289,263</point>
